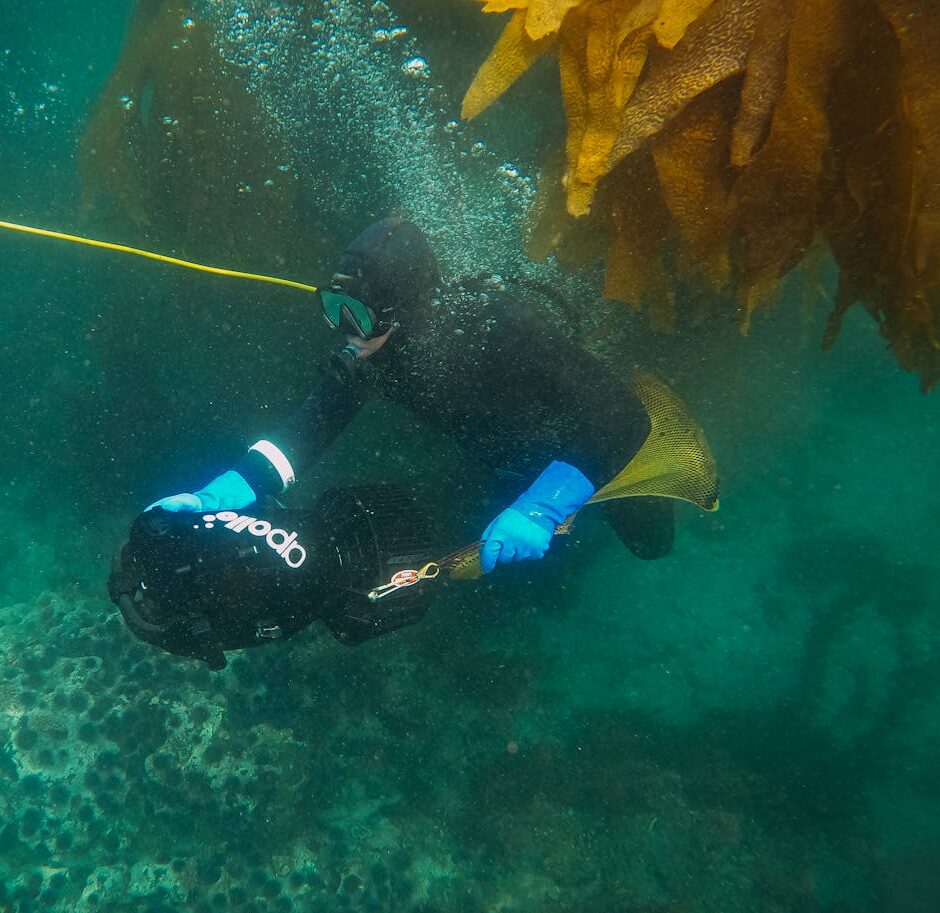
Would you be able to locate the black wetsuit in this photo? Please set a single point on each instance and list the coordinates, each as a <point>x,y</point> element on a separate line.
<point>482,368</point>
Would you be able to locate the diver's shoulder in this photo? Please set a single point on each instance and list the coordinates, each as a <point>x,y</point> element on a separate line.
<point>487,302</point>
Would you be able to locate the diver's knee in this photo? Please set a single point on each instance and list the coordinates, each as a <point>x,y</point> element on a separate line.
<point>645,525</point>
<point>649,548</point>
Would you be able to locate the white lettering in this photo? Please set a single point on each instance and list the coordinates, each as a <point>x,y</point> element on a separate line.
<point>260,528</point>
<point>295,562</point>
<point>281,541</point>
<point>284,540</point>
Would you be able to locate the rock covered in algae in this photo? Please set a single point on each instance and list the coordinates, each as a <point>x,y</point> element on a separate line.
<point>736,135</point>
<point>419,774</point>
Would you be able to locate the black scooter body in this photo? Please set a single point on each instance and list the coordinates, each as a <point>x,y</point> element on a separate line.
<point>198,584</point>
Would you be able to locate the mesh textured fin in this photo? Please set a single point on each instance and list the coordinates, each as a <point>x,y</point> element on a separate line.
<point>674,461</point>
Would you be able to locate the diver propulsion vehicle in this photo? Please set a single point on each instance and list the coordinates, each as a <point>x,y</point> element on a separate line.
<point>198,584</point>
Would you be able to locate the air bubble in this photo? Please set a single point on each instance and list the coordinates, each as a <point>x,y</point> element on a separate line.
<point>353,77</point>
<point>390,34</point>
<point>126,102</point>
<point>417,67</point>
<point>189,22</point>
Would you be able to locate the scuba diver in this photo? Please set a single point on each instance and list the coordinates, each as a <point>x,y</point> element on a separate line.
<point>478,365</point>
<point>215,569</point>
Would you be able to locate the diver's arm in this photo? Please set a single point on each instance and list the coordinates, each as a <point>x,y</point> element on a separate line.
<point>601,424</point>
<point>271,465</point>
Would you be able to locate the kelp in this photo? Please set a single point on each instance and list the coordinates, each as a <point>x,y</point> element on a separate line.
<point>601,55</point>
<point>777,196</point>
<point>692,164</point>
<point>513,54</point>
<point>637,269</point>
<point>174,145</point>
<point>765,74</point>
<point>715,143</point>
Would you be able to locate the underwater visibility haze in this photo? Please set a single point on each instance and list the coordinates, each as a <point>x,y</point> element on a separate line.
<point>749,723</point>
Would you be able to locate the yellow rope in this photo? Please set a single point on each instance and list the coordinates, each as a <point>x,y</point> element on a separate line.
<point>121,248</point>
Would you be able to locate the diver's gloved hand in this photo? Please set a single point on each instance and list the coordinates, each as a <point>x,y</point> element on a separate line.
<point>525,529</point>
<point>229,491</point>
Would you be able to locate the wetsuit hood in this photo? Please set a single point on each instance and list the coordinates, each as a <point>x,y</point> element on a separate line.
<point>391,268</point>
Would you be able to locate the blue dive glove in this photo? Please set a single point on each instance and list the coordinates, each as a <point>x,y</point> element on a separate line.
<point>229,491</point>
<point>525,529</point>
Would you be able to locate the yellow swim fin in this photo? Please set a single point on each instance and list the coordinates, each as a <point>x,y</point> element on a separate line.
<point>674,461</point>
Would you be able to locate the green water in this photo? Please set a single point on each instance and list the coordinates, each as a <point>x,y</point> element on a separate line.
<point>751,724</point>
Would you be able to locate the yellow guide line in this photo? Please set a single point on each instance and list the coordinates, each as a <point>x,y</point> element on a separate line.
<point>124,249</point>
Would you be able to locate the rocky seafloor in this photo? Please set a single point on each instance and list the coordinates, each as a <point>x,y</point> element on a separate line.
<point>422,772</point>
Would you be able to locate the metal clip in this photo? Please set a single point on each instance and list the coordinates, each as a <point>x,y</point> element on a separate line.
<point>405,578</point>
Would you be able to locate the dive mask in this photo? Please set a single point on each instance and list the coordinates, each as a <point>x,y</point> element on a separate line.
<point>340,309</point>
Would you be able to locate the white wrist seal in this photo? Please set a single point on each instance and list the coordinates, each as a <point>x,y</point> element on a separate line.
<point>275,456</point>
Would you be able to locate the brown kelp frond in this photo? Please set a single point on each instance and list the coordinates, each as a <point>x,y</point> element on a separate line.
<point>713,50</point>
<point>636,260</point>
<point>765,75</point>
<point>512,55</point>
<point>912,318</point>
<point>776,197</point>
<point>714,142</point>
<point>692,164</point>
